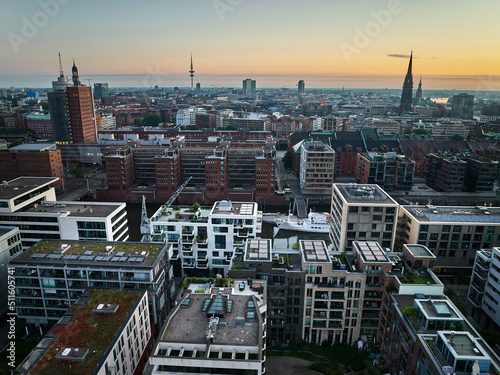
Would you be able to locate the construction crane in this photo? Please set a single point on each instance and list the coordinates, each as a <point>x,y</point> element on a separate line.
<point>146,228</point>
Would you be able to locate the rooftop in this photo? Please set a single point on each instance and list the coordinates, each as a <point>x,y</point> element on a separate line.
<point>258,249</point>
<point>438,309</point>
<point>4,230</point>
<point>22,185</point>
<point>189,322</point>
<point>464,344</point>
<point>370,252</point>
<point>86,330</point>
<point>314,251</point>
<point>92,252</point>
<point>31,147</point>
<point>362,193</point>
<point>419,251</point>
<point>234,208</point>
<point>455,214</point>
<point>78,209</point>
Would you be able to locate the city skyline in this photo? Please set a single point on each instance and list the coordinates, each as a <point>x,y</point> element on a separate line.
<point>367,45</point>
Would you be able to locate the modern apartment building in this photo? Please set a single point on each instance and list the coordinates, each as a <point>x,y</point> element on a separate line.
<point>205,239</point>
<point>362,213</point>
<point>30,204</point>
<point>317,166</point>
<point>484,288</point>
<point>453,233</point>
<point>105,332</point>
<point>389,170</point>
<point>10,246</point>
<point>52,275</point>
<point>216,331</point>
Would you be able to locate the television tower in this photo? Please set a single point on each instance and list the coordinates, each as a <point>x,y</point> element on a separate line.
<point>191,72</point>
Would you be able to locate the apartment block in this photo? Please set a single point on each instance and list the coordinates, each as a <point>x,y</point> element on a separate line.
<point>453,233</point>
<point>484,288</point>
<point>30,204</point>
<point>52,275</point>
<point>317,166</point>
<point>10,246</point>
<point>216,331</point>
<point>389,170</point>
<point>105,332</point>
<point>362,213</point>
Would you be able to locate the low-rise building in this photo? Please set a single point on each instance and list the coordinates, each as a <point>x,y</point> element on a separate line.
<point>215,330</point>
<point>105,332</point>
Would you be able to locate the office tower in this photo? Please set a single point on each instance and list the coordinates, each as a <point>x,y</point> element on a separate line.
<point>101,90</point>
<point>484,289</point>
<point>317,166</point>
<point>198,86</point>
<point>107,332</point>
<point>362,213</point>
<point>418,95</point>
<point>191,72</point>
<point>81,111</point>
<point>301,87</point>
<point>58,105</point>
<point>249,86</point>
<point>389,170</point>
<point>406,96</point>
<point>462,106</point>
<point>215,331</point>
<point>52,275</point>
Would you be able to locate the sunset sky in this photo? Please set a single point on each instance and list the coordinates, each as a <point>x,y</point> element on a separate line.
<point>455,42</point>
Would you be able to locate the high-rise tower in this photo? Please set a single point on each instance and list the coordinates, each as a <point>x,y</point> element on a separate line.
<point>301,87</point>
<point>418,95</point>
<point>191,72</point>
<point>407,94</point>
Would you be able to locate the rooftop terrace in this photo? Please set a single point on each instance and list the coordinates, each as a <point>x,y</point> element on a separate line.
<point>458,214</point>
<point>361,193</point>
<point>22,185</point>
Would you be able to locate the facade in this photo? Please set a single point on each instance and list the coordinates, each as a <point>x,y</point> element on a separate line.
<point>362,212</point>
<point>59,116</point>
<point>444,130</point>
<point>389,170</point>
<point>105,332</point>
<point>462,106</point>
<point>101,90</point>
<point>205,239</point>
<point>52,275</point>
<point>317,166</point>
<point>120,169</point>
<point>481,174</point>
<point>301,87</point>
<point>219,331</point>
<point>30,204</point>
<point>249,86</point>
<point>40,123</point>
<point>453,233</point>
<point>81,114</point>
<point>445,173</point>
<point>33,160</point>
<point>246,124</point>
<point>10,246</point>
<point>484,288</point>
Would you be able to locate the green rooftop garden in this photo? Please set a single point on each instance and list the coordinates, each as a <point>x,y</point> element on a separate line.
<point>416,279</point>
<point>79,247</point>
<point>95,331</point>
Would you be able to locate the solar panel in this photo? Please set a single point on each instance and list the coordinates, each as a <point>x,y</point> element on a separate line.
<point>66,257</point>
<point>131,259</point>
<point>115,259</point>
<point>123,259</point>
<point>120,254</point>
<point>82,257</point>
<point>58,256</point>
<point>73,257</point>
<point>88,252</point>
<point>138,260</point>
<point>91,257</point>
<point>50,256</point>
<point>97,258</point>
<point>106,259</point>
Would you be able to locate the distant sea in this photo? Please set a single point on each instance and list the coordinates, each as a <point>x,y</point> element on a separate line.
<point>154,77</point>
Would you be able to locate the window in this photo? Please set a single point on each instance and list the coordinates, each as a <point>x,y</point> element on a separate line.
<point>446,228</point>
<point>353,210</point>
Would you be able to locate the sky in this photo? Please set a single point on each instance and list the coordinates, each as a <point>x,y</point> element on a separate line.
<point>329,43</point>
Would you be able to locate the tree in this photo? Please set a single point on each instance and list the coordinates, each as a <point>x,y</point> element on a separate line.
<point>456,137</point>
<point>139,121</point>
<point>77,173</point>
<point>421,131</point>
<point>287,160</point>
<point>16,143</point>
<point>152,120</point>
<point>407,130</point>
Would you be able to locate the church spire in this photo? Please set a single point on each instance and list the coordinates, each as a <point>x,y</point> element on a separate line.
<point>418,95</point>
<point>76,78</point>
<point>407,94</point>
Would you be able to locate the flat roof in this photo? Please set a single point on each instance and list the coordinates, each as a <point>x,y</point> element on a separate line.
<point>105,253</point>
<point>234,208</point>
<point>78,209</point>
<point>438,309</point>
<point>314,251</point>
<point>463,344</point>
<point>22,185</point>
<point>4,230</point>
<point>455,214</point>
<point>364,193</point>
<point>419,251</point>
<point>34,147</point>
<point>258,249</point>
<point>87,330</point>
<point>370,252</point>
<point>189,322</point>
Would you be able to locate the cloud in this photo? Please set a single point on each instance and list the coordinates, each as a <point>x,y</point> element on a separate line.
<point>398,55</point>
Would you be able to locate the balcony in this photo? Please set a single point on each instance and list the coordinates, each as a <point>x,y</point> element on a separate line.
<point>187,240</point>
<point>31,272</point>
<point>188,263</point>
<point>202,264</point>
<point>73,274</point>
<point>29,293</point>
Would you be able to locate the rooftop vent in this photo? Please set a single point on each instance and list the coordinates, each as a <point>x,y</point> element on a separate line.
<point>105,308</point>
<point>62,249</point>
<point>72,354</point>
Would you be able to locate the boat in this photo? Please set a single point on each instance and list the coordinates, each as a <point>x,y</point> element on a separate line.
<point>314,223</point>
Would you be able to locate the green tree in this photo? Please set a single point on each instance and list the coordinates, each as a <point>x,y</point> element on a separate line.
<point>456,137</point>
<point>152,120</point>
<point>287,160</point>
<point>139,121</point>
<point>421,131</point>
<point>407,130</point>
<point>77,173</point>
<point>16,143</point>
